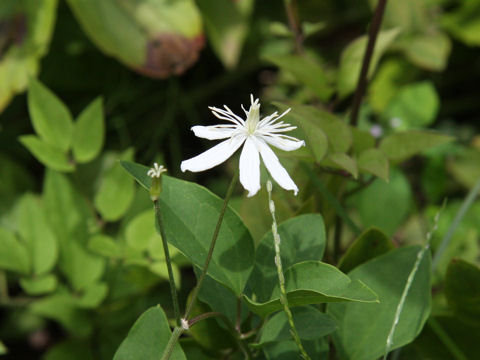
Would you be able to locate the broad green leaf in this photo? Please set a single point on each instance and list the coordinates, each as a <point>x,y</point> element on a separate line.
<point>361,140</point>
<point>337,131</point>
<point>310,323</point>
<point>227,32</point>
<point>60,307</point>
<point>27,27</point>
<point>13,253</point>
<point>401,146</point>
<point>140,231</point>
<point>148,338</point>
<point>104,245</point>
<point>415,105</point>
<point>49,155</point>
<point>37,234</point>
<point>160,268</point>
<point>288,350</point>
<point>428,51</point>
<point>70,218</point>
<point>156,38</point>
<point>303,238</point>
<point>352,57</point>
<point>373,202</point>
<point>462,289</point>
<point>370,244</point>
<point>306,71</point>
<point>464,22</point>
<point>50,117</point>
<point>464,167</point>
<point>408,15</point>
<point>3,349</point>
<point>92,295</point>
<point>116,191</point>
<point>313,282</point>
<point>39,285</point>
<point>444,338</point>
<point>345,162</point>
<point>365,328</point>
<point>89,132</point>
<point>375,162</point>
<point>190,213</point>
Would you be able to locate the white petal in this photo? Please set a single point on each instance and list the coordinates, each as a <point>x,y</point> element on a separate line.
<point>283,143</point>
<point>214,156</point>
<point>214,132</point>
<point>278,172</point>
<point>250,167</point>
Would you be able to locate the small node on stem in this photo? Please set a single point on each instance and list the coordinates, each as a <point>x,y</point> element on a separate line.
<point>184,324</point>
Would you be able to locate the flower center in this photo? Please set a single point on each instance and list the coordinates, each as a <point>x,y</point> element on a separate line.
<point>253,118</point>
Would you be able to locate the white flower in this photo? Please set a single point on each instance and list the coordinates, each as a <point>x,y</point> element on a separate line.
<point>156,171</point>
<point>255,134</point>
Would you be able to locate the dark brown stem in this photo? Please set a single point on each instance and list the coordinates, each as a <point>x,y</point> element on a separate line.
<point>238,325</point>
<point>362,79</point>
<point>293,22</point>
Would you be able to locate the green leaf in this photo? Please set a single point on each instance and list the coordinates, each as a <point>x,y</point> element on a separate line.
<point>306,71</point>
<point>361,140</point>
<point>49,155</point>
<point>310,323</point>
<point>51,119</point>
<point>92,296</point>
<point>89,132</point>
<point>104,245</point>
<point>462,289</point>
<point>116,191</point>
<point>370,244</point>
<point>360,338</point>
<point>428,51</point>
<point>3,349</point>
<point>303,238</point>
<point>314,282</point>
<point>190,214</point>
<point>409,15</point>
<point>148,338</point>
<point>352,57</point>
<point>227,32</point>
<point>415,105</point>
<point>464,22</point>
<point>372,203</point>
<point>13,253</point>
<point>39,285</point>
<point>32,22</point>
<point>288,350</point>
<point>139,173</point>
<point>156,38</point>
<point>39,238</point>
<point>140,231</point>
<point>70,217</point>
<point>403,145</point>
<point>60,307</point>
<point>375,162</point>
<point>345,162</point>
<point>444,338</point>
<point>338,133</point>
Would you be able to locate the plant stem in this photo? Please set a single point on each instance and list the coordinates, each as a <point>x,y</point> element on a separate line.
<point>362,79</point>
<point>212,246</point>
<point>281,278</point>
<point>173,289</point>
<point>177,332</point>
<point>292,15</point>
<point>469,199</point>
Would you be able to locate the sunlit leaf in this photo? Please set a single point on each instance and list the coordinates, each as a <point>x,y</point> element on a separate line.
<point>49,155</point>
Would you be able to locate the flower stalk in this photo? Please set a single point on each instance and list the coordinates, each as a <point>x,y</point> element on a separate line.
<point>281,278</point>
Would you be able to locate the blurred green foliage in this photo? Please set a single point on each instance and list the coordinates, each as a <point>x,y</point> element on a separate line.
<point>86,84</point>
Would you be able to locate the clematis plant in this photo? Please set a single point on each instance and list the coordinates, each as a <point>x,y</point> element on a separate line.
<point>255,135</point>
